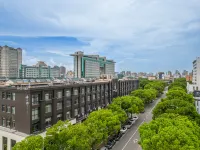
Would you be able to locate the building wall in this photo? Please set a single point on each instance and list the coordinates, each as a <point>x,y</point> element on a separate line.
<point>10,61</point>
<point>110,68</point>
<point>92,69</point>
<point>196,72</point>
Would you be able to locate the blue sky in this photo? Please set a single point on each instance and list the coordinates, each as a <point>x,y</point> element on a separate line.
<point>140,35</point>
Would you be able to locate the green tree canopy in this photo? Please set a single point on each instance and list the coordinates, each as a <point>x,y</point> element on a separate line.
<point>176,106</point>
<point>180,94</point>
<point>30,143</point>
<point>170,132</point>
<point>143,82</point>
<point>178,88</point>
<point>146,95</point>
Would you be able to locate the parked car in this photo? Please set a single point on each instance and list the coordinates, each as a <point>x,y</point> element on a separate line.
<point>123,130</point>
<point>110,144</point>
<point>129,124</point>
<point>104,148</point>
<point>132,120</point>
<point>118,136</point>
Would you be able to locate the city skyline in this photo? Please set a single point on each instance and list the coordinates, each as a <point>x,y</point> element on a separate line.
<point>139,35</point>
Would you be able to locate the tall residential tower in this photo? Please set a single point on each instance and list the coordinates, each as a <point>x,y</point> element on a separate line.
<point>10,61</point>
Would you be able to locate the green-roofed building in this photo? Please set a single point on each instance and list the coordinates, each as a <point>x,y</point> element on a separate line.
<point>90,66</point>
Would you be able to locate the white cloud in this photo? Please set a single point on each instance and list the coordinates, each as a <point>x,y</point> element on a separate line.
<point>27,59</point>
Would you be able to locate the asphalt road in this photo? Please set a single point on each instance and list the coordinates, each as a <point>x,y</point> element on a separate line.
<point>129,141</point>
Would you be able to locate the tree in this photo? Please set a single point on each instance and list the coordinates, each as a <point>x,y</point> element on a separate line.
<point>145,95</point>
<point>179,84</point>
<point>75,137</point>
<point>176,106</point>
<point>143,82</point>
<point>157,85</point>
<point>30,143</point>
<point>170,132</point>
<point>177,88</point>
<point>180,94</point>
<point>106,116</point>
<point>117,110</point>
<point>52,140</point>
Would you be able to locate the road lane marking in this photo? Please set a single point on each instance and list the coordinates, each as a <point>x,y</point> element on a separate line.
<point>140,125</point>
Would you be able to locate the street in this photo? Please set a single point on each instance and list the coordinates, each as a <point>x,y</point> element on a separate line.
<point>129,141</point>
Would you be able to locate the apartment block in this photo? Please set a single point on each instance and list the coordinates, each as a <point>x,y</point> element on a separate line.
<point>40,70</point>
<point>31,109</point>
<point>10,61</point>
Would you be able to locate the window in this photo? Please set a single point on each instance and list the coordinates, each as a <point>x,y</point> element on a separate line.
<point>13,96</point>
<point>48,108</point>
<point>59,117</point>
<point>5,143</point>
<point>48,122</point>
<point>35,127</point>
<point>75,112</point>
<point>102,87</point>
<point>68,93</point>
<point>88,98</point>
<point>75,91</point>
<point>13,142</point>
<point>83,100</point>
<point>59,106</point>
<point>93,96</point>
<point>13,110</point>
<point>3,108</point>
<point>83,91</point>
<point>82,110</point>
<point>3,95</point>
<point>89,107</point>
<point>75,101</point>
<point>13,124</point>
<point>3,122</point>
<point>98,88</point>
<point>88,90</point>
<point>48,96</point>
<point>93,89</point>
<point>35,114</point>
<point>35,99</point>
<point>8,123</point>
<point>98,96</point>
<point>68,103</point>
<point>8,109</point>
<point>68,115</point>
<point>8,96</point>
<point>59,94</point>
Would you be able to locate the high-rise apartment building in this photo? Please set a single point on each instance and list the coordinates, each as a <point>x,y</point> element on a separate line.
<point>10,61</point>
<point>196,72</point>
<point>89,66</point>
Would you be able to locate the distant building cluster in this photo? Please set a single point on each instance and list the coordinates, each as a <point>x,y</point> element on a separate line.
<point>156,76</point>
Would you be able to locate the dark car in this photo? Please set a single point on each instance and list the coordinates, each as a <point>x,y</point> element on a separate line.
<point>118,136</point>
<point>110,144</point>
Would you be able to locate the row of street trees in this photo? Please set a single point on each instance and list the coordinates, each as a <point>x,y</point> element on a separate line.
<point>97,128</point>
<point>176,122</point>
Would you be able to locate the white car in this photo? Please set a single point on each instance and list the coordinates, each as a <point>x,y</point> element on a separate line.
<point>123,130</point>
<point>132,120</point>
<point>104,148</point>
<point>129,124</point>
<point>135,118</point>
